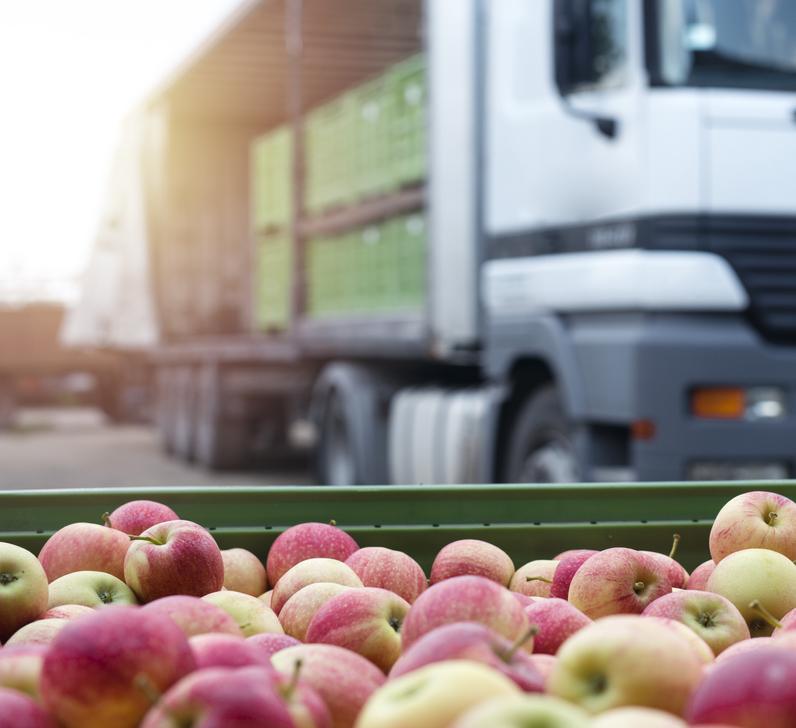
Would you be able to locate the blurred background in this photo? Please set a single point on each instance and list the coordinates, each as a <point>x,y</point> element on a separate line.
<point>397,241</point>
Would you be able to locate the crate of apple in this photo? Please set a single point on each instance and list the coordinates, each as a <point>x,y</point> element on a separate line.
<point>146,621</point>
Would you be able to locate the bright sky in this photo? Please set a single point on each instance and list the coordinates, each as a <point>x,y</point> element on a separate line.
<point>69,71</point>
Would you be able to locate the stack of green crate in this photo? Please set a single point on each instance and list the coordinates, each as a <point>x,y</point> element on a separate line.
<point>272,283</point>
<point>271,189</point>
<point>408,93</point>
<point>374,157</point>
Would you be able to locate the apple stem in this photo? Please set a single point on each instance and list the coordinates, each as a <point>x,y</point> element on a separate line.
<point>531,632</point>
<point>332,522</point>
<point>772,516</point>
<point>148,539</point>
<point>144,683</point>
<point>769,618</point>
<point>638,587</point>
<point>106,519</point>
<point>288,690</point>
<point>539,578</point>
<point>675,544</point>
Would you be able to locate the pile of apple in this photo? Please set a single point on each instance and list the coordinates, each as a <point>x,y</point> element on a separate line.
<point>144,621</point>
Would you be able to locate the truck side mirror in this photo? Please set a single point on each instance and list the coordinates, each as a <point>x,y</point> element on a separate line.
<point>572,44</point>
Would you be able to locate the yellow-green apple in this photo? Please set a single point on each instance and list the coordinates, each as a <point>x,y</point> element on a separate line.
<point>626,660</point>
<point>89,589</point>
<point>40,632</point>
<point>556,620</point>
<point>249,613</point>
<point>299,610</point>
<point>472,557</point>
<point>243,572</point>
<point>20,711</point>
<point>465,599</point>
<point>699,576</point>
<point>343,679</point>
<point>266,598</point>
<point>311,571</point>
<point>194,615</point>
<point>222,697</point>
<point>434,696</point>
<point>173,557</point>
<point>617,581</point>
<point>568,563</point>
<point>23,589</point>
<point>756,574</point>
<point>102,670</point>
<point>757,519</point>
<point>534,579</point>
<point>712,617</point>
<point>636,718</point>
<point>20,668</point>
<point>84,547</point>
<point>269,643</point>
<point>135,517</point>
<point>307,541</point>
<point>749,690</point>
<point>226,650</point>
<point>524,710</point>
<point>67,611</point>
<point>472,641</point>
<point>366,621</point>
<point>389,569</point>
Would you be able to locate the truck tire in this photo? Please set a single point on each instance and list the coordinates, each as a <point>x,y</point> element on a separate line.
<point>540,444</point>
<point>165,409</point>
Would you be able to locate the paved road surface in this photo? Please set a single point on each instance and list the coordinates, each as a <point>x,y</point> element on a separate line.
<point>76,448</point>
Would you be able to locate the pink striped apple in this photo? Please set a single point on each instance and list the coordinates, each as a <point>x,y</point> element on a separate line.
<point>389,569</point>
<point>472,557</point>
<point>135,517</point>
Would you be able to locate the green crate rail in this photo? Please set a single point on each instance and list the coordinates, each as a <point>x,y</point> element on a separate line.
<point>528,521</point>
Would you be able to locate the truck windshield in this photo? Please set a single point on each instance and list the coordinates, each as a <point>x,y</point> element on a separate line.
<point>725,43</point>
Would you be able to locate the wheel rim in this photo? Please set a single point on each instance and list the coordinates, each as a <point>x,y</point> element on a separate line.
<point>553,461</point>
<point>340,468</point>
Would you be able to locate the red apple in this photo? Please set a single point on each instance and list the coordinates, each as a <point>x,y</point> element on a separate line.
<point>20,668</point>
<point>21,711</point>
<point>67,611</point>
<point>135,517</point>
<point>307,541</point>
<point>226,650</point>
<point>84,547</point>
<point>243,572</point>
<point>472,557</point>
<point>568,563</point>
<point>472,641</point>
<point>534,579</point>
<point>617,581</point>
<point>194,616</point>
<point>23,589</point>
<point>366,621</point>
<point>699,576</point>
<point>544,664</point>
<point>89,589</point>
<point>299,610</point>
<point>389,569</point>
<point>343,679</point>
<point>269,643</point>
<point>750,690</point>
<point>104,669</point>
<point>674,571</point>
<point>465,599</point>
<point>250,614</point>
<point>174,557</point>
<point>745,646</point>
<point>525,600</point>
<point>304,703</point>
<point>757,519</point>
<point>556,620</point>
<point>311,571</point>
<point>40,632</point>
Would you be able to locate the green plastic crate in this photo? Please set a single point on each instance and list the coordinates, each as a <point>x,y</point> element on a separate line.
<point>408,91</point>
<point>374,157</point>
<point>271,180</point>
<point>273,265</point>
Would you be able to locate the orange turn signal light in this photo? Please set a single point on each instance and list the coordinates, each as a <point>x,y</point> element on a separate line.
<point>719,403</point>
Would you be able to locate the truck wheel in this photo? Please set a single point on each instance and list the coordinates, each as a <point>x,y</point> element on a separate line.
<point>164,409</point>
<point>184,414</point>
<point>336,458</point>
<point>540,446</point>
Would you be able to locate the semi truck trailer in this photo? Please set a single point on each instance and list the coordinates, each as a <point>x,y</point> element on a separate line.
<point>457,241</point>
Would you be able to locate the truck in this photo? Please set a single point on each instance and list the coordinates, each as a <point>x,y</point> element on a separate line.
<point>470,241</point>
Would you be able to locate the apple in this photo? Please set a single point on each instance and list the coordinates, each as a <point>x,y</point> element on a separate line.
<point>787,623</point>
<point>269,643</point>
<point>525,600</point>
<point>472,641</point>
<point>226,650</point>
<point>194,616</point>
<point>674,571</point>
<point>307,541</point>
<point>20,668</point>
<point>472,557</point>
<point>617,581</point>
<point>626,660</point>
<point>712,617</point>
<point>698,646</point>
<point>223,698</point>
<point>544,664</point>
<point>243,572</point>
<point>556,620</point>
<point>534,579</point>
<point>304,703</point>
<point>750,690</point>
<point>699,576</point>
<point>389,569</point>
<point>89,589</point>
<point>754,520</point>
<point>23,589</point>
<point>756,574</point>
<point>174,557</point>
<point>250,614</point>
<point>135,517</point>
<point>311,571</point>
<point>84,547</point>
<point>343,679</point>
<point>21,711</point>
<point>745,646</point>
<point>568,563</point>
<point>266,598</point>
<point>635,717</point>
<point>299,610</point>
<point>525,710</point>
<point>434,696</point>
<point>465,599</point>
<point>40,632</point>
<point>103,670</point>
<point>67,611</point>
